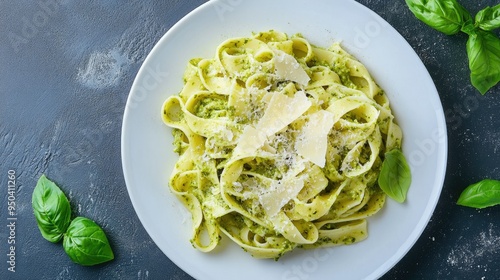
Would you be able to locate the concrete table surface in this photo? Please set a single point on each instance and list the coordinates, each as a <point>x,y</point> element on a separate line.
<point>66,68</point>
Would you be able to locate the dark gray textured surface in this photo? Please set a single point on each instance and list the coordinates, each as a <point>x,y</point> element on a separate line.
<point>66,68</point>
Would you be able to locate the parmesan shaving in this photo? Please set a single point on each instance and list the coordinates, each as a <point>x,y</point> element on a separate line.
<point>280,193</point>
<point>313,140</point>
<point>281,111</point>
<point>288,68</point>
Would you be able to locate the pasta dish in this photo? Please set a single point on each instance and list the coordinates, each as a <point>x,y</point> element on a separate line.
<point>280,145</point>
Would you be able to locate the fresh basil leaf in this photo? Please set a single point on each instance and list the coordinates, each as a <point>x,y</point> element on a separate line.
<point>446,16</point>
<point>483,50</point>
<point>86,243</point>
<point>395,175</point>
<point>488,18</point>
<point>482,194</point>
<point>51,208</point>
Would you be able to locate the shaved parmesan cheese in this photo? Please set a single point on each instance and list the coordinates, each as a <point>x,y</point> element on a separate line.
<point>283,110</point>
<point>250,140</point>
<point>280,193</point>
<point>288,68</point>
<point>280,112</point>
<point>313,140</point>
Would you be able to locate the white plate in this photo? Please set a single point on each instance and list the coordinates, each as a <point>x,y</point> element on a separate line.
<point>148,159</point>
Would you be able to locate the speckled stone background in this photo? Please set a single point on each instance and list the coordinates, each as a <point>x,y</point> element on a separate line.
<point>66,68</point>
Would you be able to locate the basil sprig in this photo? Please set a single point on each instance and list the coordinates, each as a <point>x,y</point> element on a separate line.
<point>395,175</point>
<point>482,194</point>
<point>83,240</point>
<point>483,46</point>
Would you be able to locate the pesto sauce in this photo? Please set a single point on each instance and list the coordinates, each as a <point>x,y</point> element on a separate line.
<point>344,73</point>
<point>180,145</point>
<point>211,108</point>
